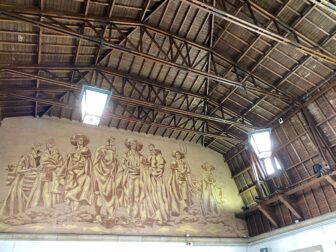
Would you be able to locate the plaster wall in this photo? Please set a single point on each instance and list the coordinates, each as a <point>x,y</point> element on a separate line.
<point>323,235</point>
<point>52,246</point>
<point>301,240</point>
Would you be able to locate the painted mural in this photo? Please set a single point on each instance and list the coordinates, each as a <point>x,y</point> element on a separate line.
<point>129,189</point>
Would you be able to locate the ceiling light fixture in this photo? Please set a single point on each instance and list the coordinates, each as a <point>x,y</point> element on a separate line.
<point>93,102</point>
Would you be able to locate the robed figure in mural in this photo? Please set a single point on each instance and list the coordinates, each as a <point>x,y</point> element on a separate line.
<point>159,195</point>
<point>136,183</point>
<point>78,173</point>
<point>107,178</point>
<point>45,191</point>
<point>16,199</point>
<point>179,191</point>
<point>209,199</point>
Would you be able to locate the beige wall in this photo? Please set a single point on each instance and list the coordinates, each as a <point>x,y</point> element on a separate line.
<point>18,134</point>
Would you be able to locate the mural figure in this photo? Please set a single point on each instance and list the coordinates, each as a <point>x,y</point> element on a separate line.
<point>78,170</point>
<point>106,179</point>
<point>16,199</point>
<point>158,186</point>
<point>208,196</point>
<point>179,195</point>
<point>45,191</point>
<point>136,183</point>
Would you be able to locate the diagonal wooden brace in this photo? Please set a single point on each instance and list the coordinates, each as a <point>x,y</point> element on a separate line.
<point>268,215</point>
<point>331,180</point>
<point>286,202</point>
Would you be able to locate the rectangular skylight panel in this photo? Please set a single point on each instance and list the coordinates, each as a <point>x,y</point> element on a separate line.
<point>269,166</point>
<point>93,102</point>
<point>90,119</point>
<point>277,164</point>
<point>261,142</point>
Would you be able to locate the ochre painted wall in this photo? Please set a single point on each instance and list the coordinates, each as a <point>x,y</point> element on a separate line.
<point>66,177</point>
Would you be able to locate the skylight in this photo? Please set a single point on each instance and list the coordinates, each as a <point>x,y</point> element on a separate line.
<point>93,101</point>
<point>271,164</point>
<point>260,141</point>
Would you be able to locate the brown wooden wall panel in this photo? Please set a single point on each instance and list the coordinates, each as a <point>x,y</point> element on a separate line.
<point>242,174</point>
<point>302,204</point>
<point>295,147</point>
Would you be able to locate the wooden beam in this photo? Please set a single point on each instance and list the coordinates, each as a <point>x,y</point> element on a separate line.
<point>134,52</point>
<point>128,100</point>
<point>285,201</point>
<point>132,77</point>
<point>260,30</point>
<point>39,57</point>
<point>318,137</point>
<point>268,215</point>
<point>296,189</point>
<point>144,10</point>
<point>113,116</point>
<point>331,181</point>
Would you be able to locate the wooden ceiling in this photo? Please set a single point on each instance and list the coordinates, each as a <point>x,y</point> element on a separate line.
<point>205,72</point>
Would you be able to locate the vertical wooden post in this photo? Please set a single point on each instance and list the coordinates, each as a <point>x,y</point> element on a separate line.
<point>254,166</point>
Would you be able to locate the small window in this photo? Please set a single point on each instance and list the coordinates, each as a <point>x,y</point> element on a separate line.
<point>271,164</point>
<point>93,101</point>
<point>260,141</point>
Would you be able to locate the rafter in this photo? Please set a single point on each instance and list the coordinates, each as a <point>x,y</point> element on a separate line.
<point>195,45</point>
<point>290,30</point>
<point>56,103</point>
<point>262,31</point>
<point>134,52</point>
<point>300,37</point>
<point>99,59</point>
<point>241,56</point>
<point>188,61</point>
<point>78,48</point>
<point>122,97</point>
<point>160,88</point>
<point>39,56</point>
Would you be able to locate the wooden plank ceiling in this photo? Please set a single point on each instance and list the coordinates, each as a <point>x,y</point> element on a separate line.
<point>205,72</point>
